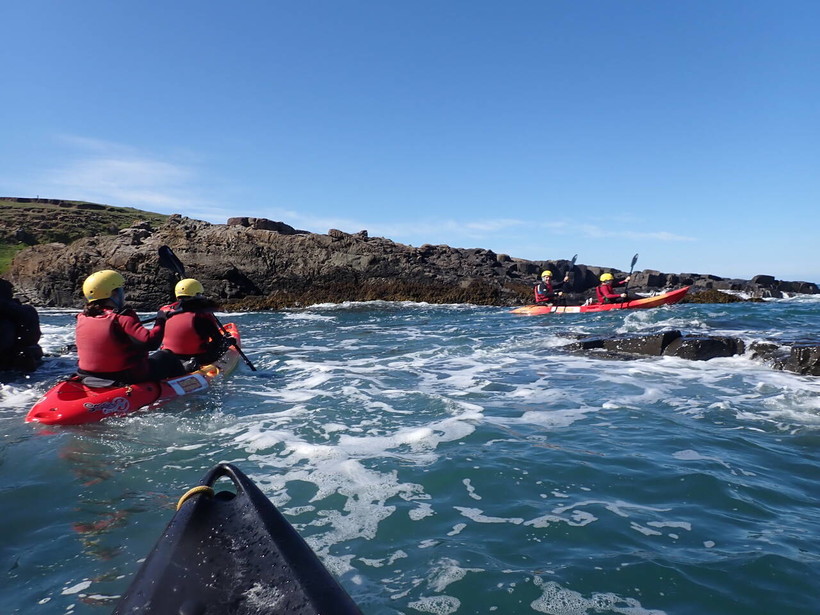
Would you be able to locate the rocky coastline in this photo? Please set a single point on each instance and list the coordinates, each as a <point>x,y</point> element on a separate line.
<point>256,264</point>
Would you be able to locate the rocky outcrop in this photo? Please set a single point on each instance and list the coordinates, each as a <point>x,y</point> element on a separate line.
<point>798,358</point>
<point>256,263</point>
<point>760,286</point>
<point>267,267</point>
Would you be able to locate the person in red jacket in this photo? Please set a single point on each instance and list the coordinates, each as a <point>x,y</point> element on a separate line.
<point>606,291</point>
<point>112,343</point>
<point>545,290</point>
<point>192,332</point>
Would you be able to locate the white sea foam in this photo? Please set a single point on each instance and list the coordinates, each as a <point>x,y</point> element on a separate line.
<point>557,600</point>
<point>438,605</point>
<point>308,316</point>
<point>421,511</point>
<point>477,515</point>
<point>76,589</point>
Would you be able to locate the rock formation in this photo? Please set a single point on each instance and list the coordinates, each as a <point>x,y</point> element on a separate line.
<point>798,358</point>
<point>256,263</point>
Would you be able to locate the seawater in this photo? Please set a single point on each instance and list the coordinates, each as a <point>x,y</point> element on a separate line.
<point>452,459</point>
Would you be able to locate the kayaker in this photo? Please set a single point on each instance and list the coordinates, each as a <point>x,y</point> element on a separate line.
<point>606,290</point>
<point>192,332</point>
<point>545,290</point>
<point>112,344</point>
<point>19,332</point>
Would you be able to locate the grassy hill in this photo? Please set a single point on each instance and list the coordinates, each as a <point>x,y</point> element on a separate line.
<point>25,222</point>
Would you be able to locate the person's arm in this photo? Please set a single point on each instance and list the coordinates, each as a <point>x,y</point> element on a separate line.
<point>131,326</point>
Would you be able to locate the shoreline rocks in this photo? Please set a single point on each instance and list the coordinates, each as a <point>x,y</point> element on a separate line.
<point>255,263</point>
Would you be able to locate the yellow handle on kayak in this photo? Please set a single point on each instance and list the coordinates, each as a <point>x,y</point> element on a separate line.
<point>193,492</point>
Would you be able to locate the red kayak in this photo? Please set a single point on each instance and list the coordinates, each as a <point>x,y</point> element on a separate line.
<point>75,401</point>
<point>642,303</point>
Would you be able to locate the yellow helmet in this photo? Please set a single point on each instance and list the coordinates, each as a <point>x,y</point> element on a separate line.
<point>606,277</point>
<point>188,287</point>
<point>546,273</point>
<point>102,284</point>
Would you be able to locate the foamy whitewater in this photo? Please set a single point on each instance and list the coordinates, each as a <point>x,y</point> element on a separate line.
<point>452,459</point>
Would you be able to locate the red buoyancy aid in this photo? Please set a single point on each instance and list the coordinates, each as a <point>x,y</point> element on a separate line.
<point>607,291</point>
<point>103,347</point>
<point>540,295</point>
<point>181,337</point>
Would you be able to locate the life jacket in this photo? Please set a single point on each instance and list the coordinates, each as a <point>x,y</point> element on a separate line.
<point>171,307</point>
<point>606,293</point>
<point>181,336</point>
<point>543,292</point>
<point>103,347</point>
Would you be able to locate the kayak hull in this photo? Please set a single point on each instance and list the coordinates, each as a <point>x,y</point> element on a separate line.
<point>71,402</point>
<point>228,552</point>
<point>642,303</point>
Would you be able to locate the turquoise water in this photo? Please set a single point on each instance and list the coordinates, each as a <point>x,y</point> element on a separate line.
<point>452,459</point>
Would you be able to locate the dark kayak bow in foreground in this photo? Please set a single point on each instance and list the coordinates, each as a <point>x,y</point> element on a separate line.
<point>227,553</point>
<point>641,303</point>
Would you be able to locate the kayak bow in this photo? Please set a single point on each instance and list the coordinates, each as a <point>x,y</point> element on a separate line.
<point>232,553</point>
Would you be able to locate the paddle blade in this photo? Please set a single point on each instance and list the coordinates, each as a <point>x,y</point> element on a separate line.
<point>634,260</point>
<point>572,262</point>
<point>169,260</point>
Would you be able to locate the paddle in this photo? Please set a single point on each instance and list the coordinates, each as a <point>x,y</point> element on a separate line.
<point>567,274</point>
<point>631,267</point>
<point>571,265</point>
<point>169,260</point>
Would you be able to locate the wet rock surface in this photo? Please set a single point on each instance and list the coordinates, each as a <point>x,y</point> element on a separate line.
<point>800,358</point>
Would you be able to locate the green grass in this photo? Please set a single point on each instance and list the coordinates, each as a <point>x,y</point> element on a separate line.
<point>61,221</point>
<point>7,252</point>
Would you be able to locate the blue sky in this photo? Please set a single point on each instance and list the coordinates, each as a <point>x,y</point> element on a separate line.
<point>686,131</point>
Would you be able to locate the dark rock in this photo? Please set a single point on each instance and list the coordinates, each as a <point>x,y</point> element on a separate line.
<point>651,345</point>
<point>764,280</point>
<point>710,296</point>
<point>589,343</point>
<point>263,224</point>
<point>804,359</point>
<point>769,352</point>
<point>704,348</point>
<point>23,236</point>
